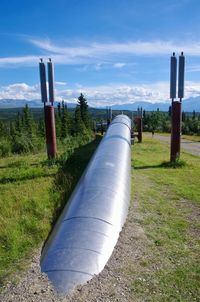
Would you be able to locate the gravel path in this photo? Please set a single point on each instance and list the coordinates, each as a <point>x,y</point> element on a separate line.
<point>113,284</point>
<point>186,145</point>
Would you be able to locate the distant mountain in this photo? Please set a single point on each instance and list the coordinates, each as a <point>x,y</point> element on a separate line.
<point>13,103</point>
<point>192,104</point>
<point>188,105</point>
<point>145,105</point>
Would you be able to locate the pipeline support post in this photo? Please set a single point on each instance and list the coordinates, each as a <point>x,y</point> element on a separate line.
<point>140,130</point>
<point>175,131</point>
<point>109,116</point>
<point>50,131</point>
<point>176,115</point>
<point>138,121</point>
<point>49,117</point>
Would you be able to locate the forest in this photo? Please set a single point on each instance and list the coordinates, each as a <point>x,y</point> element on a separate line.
<point>23,131</point>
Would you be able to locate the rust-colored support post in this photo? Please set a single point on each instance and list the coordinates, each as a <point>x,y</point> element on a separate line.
<point>139,120</point>
<point>175,131</point>
<point>49,117</point>
<point>50,131</point>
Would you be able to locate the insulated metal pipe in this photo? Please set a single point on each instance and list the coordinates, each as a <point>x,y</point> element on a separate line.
<point>88,229</point>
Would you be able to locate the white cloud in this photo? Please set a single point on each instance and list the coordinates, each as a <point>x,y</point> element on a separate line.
<point>119,65</point>
<point>95,49</point>
<point>194,68</point>
<point>94,53</point>
<point>61,83</point>
<point>20,91</point>
<point>102,95</point>
<point>26,60</point>
<point>192,89</point>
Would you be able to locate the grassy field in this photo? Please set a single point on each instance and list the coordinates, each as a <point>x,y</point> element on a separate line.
<point>32,194</point>
<point>169,207</point>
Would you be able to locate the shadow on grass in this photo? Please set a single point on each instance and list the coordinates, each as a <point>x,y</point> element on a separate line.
<point>68,176</point>
<point>191,142</point>
<point>6,180</point>
<point>165,164</point>
<point>20,164</point>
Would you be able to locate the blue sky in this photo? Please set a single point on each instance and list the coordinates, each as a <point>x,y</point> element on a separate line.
<point>114,51</point>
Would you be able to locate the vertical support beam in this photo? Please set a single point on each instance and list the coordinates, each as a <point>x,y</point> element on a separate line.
<point>50,131</point>
<point>110,113</point>
<point>175,131</point>
<point>173,76</point>
<point>139,121</point>
<point>109,116</point>
<point>43,84</point>
<point>181,76</point>
<point>51,81</point>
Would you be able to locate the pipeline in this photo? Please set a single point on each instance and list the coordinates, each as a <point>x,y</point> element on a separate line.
<point>88,229</point>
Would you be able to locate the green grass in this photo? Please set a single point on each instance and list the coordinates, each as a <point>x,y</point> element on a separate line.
<point>169,201</point>
<point>32,194</point>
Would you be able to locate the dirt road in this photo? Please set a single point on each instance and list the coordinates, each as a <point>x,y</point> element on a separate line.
<point>186,145</point>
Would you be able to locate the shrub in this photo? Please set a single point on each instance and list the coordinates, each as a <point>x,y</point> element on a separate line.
<point>22,144</point>
<point>5,148</point>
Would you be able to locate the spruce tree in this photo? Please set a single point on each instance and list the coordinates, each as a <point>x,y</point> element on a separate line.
<point>2,132</point>
<point>82,102</point>
<point>65,121</point>
<point>79,127</point>
<point>183,116</point>
<point>12,129</point>
<point>59,110</point>
<point>27,121</point>
<point>18,123</point>
<point>170,111</point>
<point>193,115</point>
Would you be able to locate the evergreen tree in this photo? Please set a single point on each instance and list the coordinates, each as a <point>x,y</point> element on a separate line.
<point>18,123</point>
<point>59,110</point>
<point>41,128</point>
<point>65,121</point>
<point>170,111</point>
<point>27,122</point>
<point>183,116</point>
<point>12,129</point>
<point>2,133</point>
<point>193,115</point>
<point>84,110</point>
<point>79,127</point>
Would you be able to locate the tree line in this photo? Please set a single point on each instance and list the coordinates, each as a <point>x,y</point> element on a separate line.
<point>161,122</point>
<point>26,134</point>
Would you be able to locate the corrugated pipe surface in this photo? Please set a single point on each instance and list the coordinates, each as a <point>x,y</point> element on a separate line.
<point>88,229</point>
